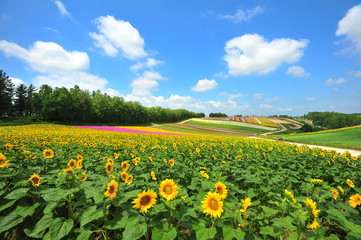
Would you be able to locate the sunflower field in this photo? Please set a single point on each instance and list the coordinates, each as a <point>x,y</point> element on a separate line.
<point>61,182</point>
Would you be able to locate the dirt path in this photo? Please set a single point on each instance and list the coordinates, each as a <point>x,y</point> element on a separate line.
<point>339,150</point>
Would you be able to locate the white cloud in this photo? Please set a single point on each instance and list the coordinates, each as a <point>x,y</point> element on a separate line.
<point>82,79</point>
<point>118,35</point>
<point>285,109</point>
<point>349,25</point>
<point>242,15</point>
<point>266,106</point>
<point>143,85</point>
<point>356,74</point>
<point>47,57</point>
<point>297,71</point>
<point>258,96</point>
<point>62,9</point>
<point>150,63</point>
<point>311,99</point>
<point>204,85</point>
<point>252,54</point>
<point>332,81</point>
<point>16,81</point>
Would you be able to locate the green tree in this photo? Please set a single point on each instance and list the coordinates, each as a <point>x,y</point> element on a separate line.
<point>21,95</point>
<point>6,95</point>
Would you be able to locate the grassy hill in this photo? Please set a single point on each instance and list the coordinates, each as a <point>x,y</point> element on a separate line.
<point>348,138</point>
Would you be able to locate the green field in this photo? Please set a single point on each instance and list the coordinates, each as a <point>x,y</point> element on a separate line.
<point>344,138</point>
<point>239,129</point>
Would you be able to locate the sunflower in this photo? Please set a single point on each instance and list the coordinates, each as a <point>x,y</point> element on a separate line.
<point>125,166</point>
<point>35,179</point>
<point>85,177</point>
<point>116,155</point>
<point>311,204</point>
<point>350,183</point>
<point>2,157</point>
<point>48,153</point>
<point>152,174</point>
<point>136,161</point>
<point>245,204</point>
<point>3,164</point>
<point>129,180</point>
<point>335,193</point>
<point>71,163</point>
<point>222,190</point>
<point>79,164</point>
<point>110,161</point>
<point>314,224</point>
<point>290,194</point>
<point>80,157</point>
<point>168,189</point>
<point>112,189</point>
<point>109,168</point>
<point>145,200</point>
<point>341,189</point>
<point>124,176</point>
<point>171,162</point>
<point>212,205</point>
<point>204,174</point>
<point>68,170</point>
<point>355,200</point>
<point>316,180</point>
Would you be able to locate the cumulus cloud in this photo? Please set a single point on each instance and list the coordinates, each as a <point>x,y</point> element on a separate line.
<point>118,35</point>
<point>266,106</point>
<point>287,109</point>
<point>311,99</point>
<point>349,26</point>
<point>332,81</point>
<point>47,57</point>
<point>232,96</point>
<point>204,85</point>
<point>62,9</point>
<point>149,63</point>
<point>252,54</point>
<point>297,71</point>
<point>258,96</point>
<point>59,67</point>
<point>143,85</point>
<point>356,74</point>
<point>16,81</point>
<point>242,15</point>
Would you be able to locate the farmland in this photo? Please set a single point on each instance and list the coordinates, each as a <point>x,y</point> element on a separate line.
<point>62,182</point>
<point>349,138</point>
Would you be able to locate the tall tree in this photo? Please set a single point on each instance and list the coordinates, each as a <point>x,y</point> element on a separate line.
<point>6,94</point>
<point>21,95</point>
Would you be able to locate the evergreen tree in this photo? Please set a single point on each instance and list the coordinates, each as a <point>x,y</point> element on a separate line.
<point>21,95</point>
<point>6,95</point>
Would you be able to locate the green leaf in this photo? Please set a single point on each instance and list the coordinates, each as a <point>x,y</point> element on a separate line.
<point>267,231</point>
<point>206,233</point>
<point>134,231</point>
<point>6,204</point>
<point>59,228</point>
<point>84,234</point>
<point>17,193</point>
<point>41,226</point>
<point>229,233</point>
<point>50,207</point>
<point>26,210</point>
<point>9,221</point>
<point>269,212</point>
<point>89,215</point>
<point>285,222</point>
<point>293,236</point>
<point>57,194</point>
<point>160,234</point>
<point>120,221</point>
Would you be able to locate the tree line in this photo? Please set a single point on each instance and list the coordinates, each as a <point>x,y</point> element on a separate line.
<point>332,120</point>
<point>218,115</point>
<point>77,105</point>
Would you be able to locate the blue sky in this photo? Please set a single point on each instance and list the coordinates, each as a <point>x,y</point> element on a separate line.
<point>238,57</point>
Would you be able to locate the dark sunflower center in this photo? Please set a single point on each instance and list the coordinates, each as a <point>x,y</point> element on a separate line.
<point>144,201</point>
<point>213,204</point>
<point>111,189</point>
<point>219,190</point>
<point>168,189</point>
<point>48,153</point>
<point>35,180</point>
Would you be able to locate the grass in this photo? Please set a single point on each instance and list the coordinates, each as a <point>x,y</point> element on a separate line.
<point>226,127</point>
<point>267,122</point>
<point>348,138</point>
